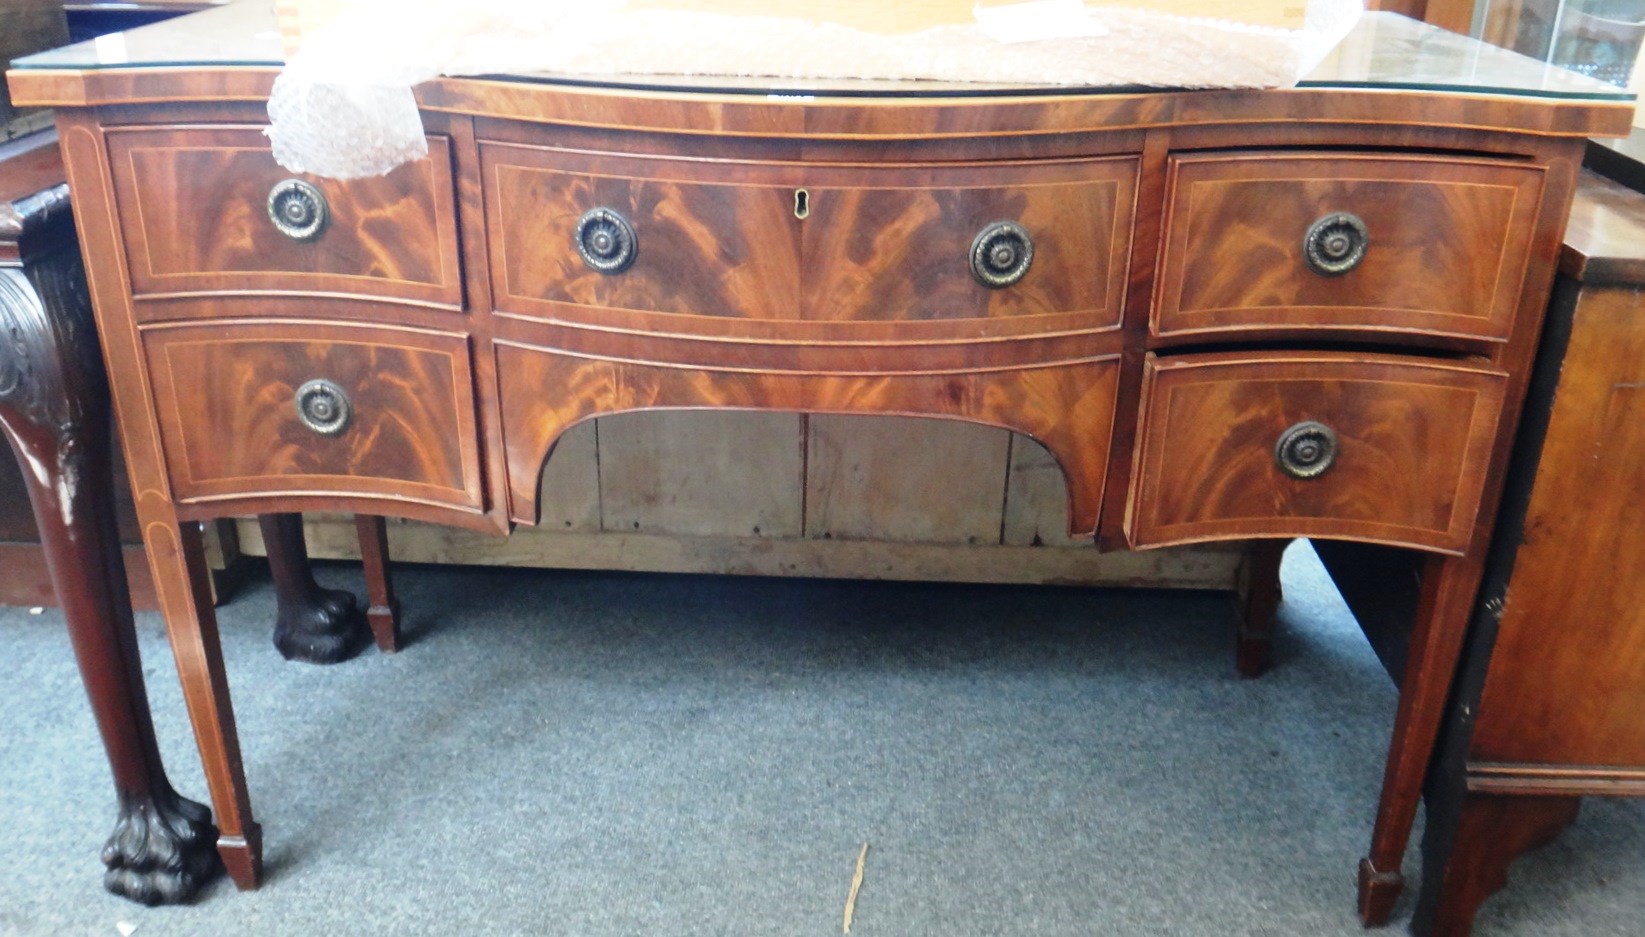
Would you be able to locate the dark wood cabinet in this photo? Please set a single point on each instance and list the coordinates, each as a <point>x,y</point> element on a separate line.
<point>1548,708</point>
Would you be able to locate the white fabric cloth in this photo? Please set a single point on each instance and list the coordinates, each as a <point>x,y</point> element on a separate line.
<point>343,107</point>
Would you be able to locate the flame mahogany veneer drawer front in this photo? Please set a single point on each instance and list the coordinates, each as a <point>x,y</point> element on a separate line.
<point>1379,448</point>
<point>305,408</point>
<point>1316,242</point>
<point>197,209</point>
<point>797,250</point>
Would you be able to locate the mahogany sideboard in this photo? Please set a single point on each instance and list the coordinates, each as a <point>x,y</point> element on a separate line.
<point>1229,315</point>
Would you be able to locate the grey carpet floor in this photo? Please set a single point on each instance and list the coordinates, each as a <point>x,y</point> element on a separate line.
<point>607,754</point>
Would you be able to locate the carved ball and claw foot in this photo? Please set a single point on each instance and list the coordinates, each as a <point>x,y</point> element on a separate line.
<point>163,849</point>
<point>313,624</point>
<point>54,412</point>
<point>320,626</point>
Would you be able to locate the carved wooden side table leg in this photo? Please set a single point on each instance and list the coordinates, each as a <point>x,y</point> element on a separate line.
<point>314,624</point>
<point>54,411</point>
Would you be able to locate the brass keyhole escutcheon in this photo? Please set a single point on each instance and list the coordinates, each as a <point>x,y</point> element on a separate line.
<point>802,204</point>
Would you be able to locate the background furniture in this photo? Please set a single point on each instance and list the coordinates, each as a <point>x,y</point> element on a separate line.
<point>54,411</point>
<point>88,19</point>
<point>810,255</point>
<point>1548,709</point>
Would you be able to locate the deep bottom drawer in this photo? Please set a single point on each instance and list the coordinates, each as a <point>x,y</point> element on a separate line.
<point>316,409</point>
<point>1378,448</point>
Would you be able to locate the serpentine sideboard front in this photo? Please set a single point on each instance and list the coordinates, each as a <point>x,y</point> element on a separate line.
<point>1228,314</point>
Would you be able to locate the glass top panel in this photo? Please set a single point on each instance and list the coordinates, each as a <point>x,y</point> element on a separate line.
<point>1385,51</point>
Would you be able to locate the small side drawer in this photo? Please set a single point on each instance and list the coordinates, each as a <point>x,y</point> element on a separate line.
<point>198,209</point>
<point>1377,448</point>
<point>1321,242</point>
<point>296,409</point>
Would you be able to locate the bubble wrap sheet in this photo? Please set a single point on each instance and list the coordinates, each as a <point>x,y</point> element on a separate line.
<point>343,107</point>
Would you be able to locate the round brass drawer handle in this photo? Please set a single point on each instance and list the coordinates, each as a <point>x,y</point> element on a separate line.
<point>324,407</point>
<point>1001,254</point>
<point>606,241</point>
<point>1335,244</point>
<point>1306,450</point>
<point>298,210</point>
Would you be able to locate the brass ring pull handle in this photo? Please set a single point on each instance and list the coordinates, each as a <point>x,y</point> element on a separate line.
<point>324,407</point>
<point>298,210</point>
<point>1335,244</point>
<point>605,240</point>
<point>1306,450</point>
<point>1001,254</point>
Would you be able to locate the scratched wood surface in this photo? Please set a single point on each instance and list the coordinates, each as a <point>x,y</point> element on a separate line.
<point>893,478</point>
<point>705,474</point>
<point>1215,567</point>
<point>1036,499</point>
<point>1068,407</point>
<point>877,480</point>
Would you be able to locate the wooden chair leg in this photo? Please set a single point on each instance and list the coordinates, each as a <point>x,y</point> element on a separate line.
<point>1259,599</point>
<point>1469,863</point>
<point>383,611</point>
<point>1444,607</point>
<point>54,410</point>
<point>313,624</point>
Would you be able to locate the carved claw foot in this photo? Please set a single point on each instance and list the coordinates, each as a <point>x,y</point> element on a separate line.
<point>321,626</point>
<point>162,851</point>
<point>313,625</point>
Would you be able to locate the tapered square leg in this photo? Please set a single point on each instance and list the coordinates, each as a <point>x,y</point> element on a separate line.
<point>1449,585</point>
<point>1259,599</point>
<point>177,555</point>
<point>383,609</point>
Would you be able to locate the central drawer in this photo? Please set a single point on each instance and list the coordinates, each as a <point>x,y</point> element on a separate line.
<point>792,250</point>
